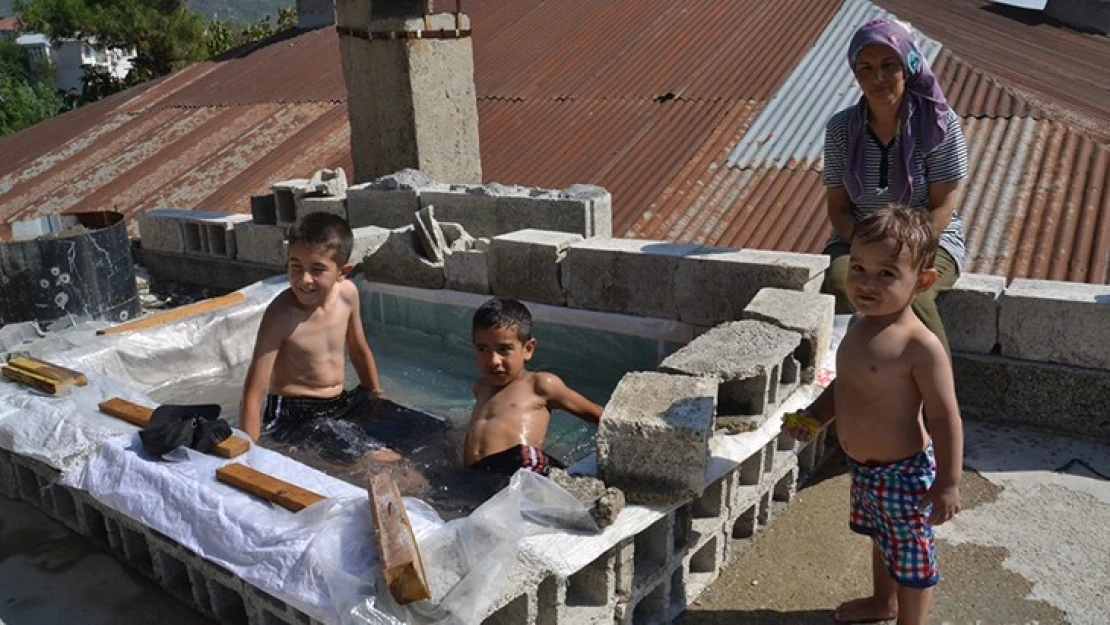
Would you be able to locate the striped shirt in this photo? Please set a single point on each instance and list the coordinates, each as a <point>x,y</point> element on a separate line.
<point>946,163</point>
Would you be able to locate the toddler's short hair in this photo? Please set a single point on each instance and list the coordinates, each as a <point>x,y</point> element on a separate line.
<point>504,312</point>
<point>324,230</point>
<point>908,227</point>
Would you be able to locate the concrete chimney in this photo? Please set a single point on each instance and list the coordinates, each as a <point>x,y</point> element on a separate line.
<point>315,13</point>
<point>410,90</point>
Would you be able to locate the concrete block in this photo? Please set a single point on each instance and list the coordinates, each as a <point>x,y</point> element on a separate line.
<point>751,469</point>
<point>970,312</point>
<point>1060,398</point>
<point>304,205</point>
<point>398,261</point>
<point>285,199</point>
<point>428,234</point>
<point>651,554</point>
<point>163,229</point>
<point>527,264</point>
<point>457,238</point>
<point>471,206</point>
<point>654,607</point>
<point>227,603</point>
<point>367,240</point>
<point>1060,322</point>
<point>261,243</point>
<point>264,209</point>
<point>212,233</point>
<point>653,442</point>
<point>786,486</point>
<point>601,207</point>
<point>754,363</point>
<point>65,506</point>
<point>808,314</point>
<point>467,270</point>
<point>545,211</point>
<point>387,209</point>
<point>625,559</point>
<point>716,284</point>
<point>700,568</point>
<point>328,182</point>
<point>747,522</point>
<point>624,275</point>
<point>520,611</point>
<point>173,575</point>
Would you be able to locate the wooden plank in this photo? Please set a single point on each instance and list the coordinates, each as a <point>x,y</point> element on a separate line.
<point>49,370</point>
<point>288,496</point>
<point>231,447</point>
<point>33,380</point>
<point>175,314</point>
<point>128,411</point>
<point>140,415</point>
<point>398,552</point>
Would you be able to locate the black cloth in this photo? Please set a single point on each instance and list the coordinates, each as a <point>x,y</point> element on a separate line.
<point>199,427</point>
<point>510,460</point>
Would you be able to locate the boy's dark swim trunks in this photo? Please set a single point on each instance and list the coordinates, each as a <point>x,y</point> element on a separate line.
<point>519,457</point>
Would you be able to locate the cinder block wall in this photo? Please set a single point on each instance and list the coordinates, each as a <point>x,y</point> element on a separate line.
<point>1035,352</point>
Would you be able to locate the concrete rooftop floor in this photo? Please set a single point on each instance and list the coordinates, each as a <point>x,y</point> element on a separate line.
<point>1031,546</point>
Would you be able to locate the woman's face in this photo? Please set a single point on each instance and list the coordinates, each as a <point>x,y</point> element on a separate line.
<point>880,75</point>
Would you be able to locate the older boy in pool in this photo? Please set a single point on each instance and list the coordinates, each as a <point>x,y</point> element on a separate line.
<point>513,407</point>
<point>298,360</point>
<point>891,369</point>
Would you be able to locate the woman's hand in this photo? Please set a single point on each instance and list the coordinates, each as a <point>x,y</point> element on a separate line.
<point>840,212</point>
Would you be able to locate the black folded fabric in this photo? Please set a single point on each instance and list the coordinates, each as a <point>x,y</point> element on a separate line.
<point>198,427</point>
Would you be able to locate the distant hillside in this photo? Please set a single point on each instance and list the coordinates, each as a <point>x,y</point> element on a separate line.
<point>239,10</point>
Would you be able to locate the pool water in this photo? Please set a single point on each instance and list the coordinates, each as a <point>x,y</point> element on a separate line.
<point>426,361</point>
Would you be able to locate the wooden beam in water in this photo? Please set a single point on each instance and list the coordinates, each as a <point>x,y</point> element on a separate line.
<point>175,314</point>
<point>288,496</point>
<point>398,553</point>
<point>135,414</point>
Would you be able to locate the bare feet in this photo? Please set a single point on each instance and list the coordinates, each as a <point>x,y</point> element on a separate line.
<point>385,455</point>
<point>866,610</point>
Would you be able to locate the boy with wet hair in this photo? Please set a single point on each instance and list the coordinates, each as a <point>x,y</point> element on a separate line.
<point>513,405</point>
<point>891,370</point>
<point>298,362</point>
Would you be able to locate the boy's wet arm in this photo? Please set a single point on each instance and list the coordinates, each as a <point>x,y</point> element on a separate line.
<point>257,382</point>
<point>359,349</point>
<point>557,394</point>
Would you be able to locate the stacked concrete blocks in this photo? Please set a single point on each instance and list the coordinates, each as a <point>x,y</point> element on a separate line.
<point>970,312</point>
<point>387,202</point>
<point>714,285</point>
<point>809,314</point>
<point>526,264</point>
<point>653,442</point>
<point>754,363</point>
<point>624,275</point>
<point>1029,325</point>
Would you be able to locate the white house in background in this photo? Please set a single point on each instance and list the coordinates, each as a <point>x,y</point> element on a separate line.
<point>71,58</point>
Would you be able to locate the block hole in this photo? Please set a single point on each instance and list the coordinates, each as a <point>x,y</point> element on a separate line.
<point>785,487</point>
<point>228,605</point>
<point>269,618</point>
<point>285,205</point>
<point>547,610</point>
<point>742,397</point>
<point>28,484</point>
<point>806,354</point>
<point>705,560</point>
<point>64,505</point>
<point>751,469</point>
<point>711,504</point>
<point>174,576</point>
<point>95,527</point>
<point>652,609</point>
<point>136,550</point>
<point>650,551</point>
<point>217,237</point>
<point>194,242</point>
<point>746,523</point>
<point>789,370</point>
<point>201,598</point>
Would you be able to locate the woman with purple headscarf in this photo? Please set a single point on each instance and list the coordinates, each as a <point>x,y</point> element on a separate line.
<point>900,144</point>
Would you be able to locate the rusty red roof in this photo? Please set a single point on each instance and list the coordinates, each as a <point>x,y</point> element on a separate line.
<point>646,99</point>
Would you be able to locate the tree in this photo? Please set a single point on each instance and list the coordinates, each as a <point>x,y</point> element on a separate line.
<point>165,34</point>
<point>27,94</point>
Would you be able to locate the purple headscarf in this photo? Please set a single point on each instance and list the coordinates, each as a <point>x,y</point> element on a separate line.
<point>923,98</point>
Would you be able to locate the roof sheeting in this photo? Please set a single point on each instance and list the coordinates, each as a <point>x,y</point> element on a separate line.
<point>790,131</point>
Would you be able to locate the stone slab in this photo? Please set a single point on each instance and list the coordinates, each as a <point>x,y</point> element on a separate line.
<point>809,314</point>
<point>262,243</point>
<point>397,261</point>
<point>387,209</point>
<point>751,360</point>
<point>467,270</point>
<point>970,312</point>
<point>429,235</point>
<point>630,276</point>
<point>1061,322</point>
<point>653,439</point>
<point>526,265</point>
<point>714,285</point>
<point>1060,398</point>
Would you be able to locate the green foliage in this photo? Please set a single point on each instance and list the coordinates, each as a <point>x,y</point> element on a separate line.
<point>223,36</point>
<point>165,34</point>
<point>27,95</point>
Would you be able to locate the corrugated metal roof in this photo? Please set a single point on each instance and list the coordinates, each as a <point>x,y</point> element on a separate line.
<point>1060,69</point>
<point>790,131</point>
